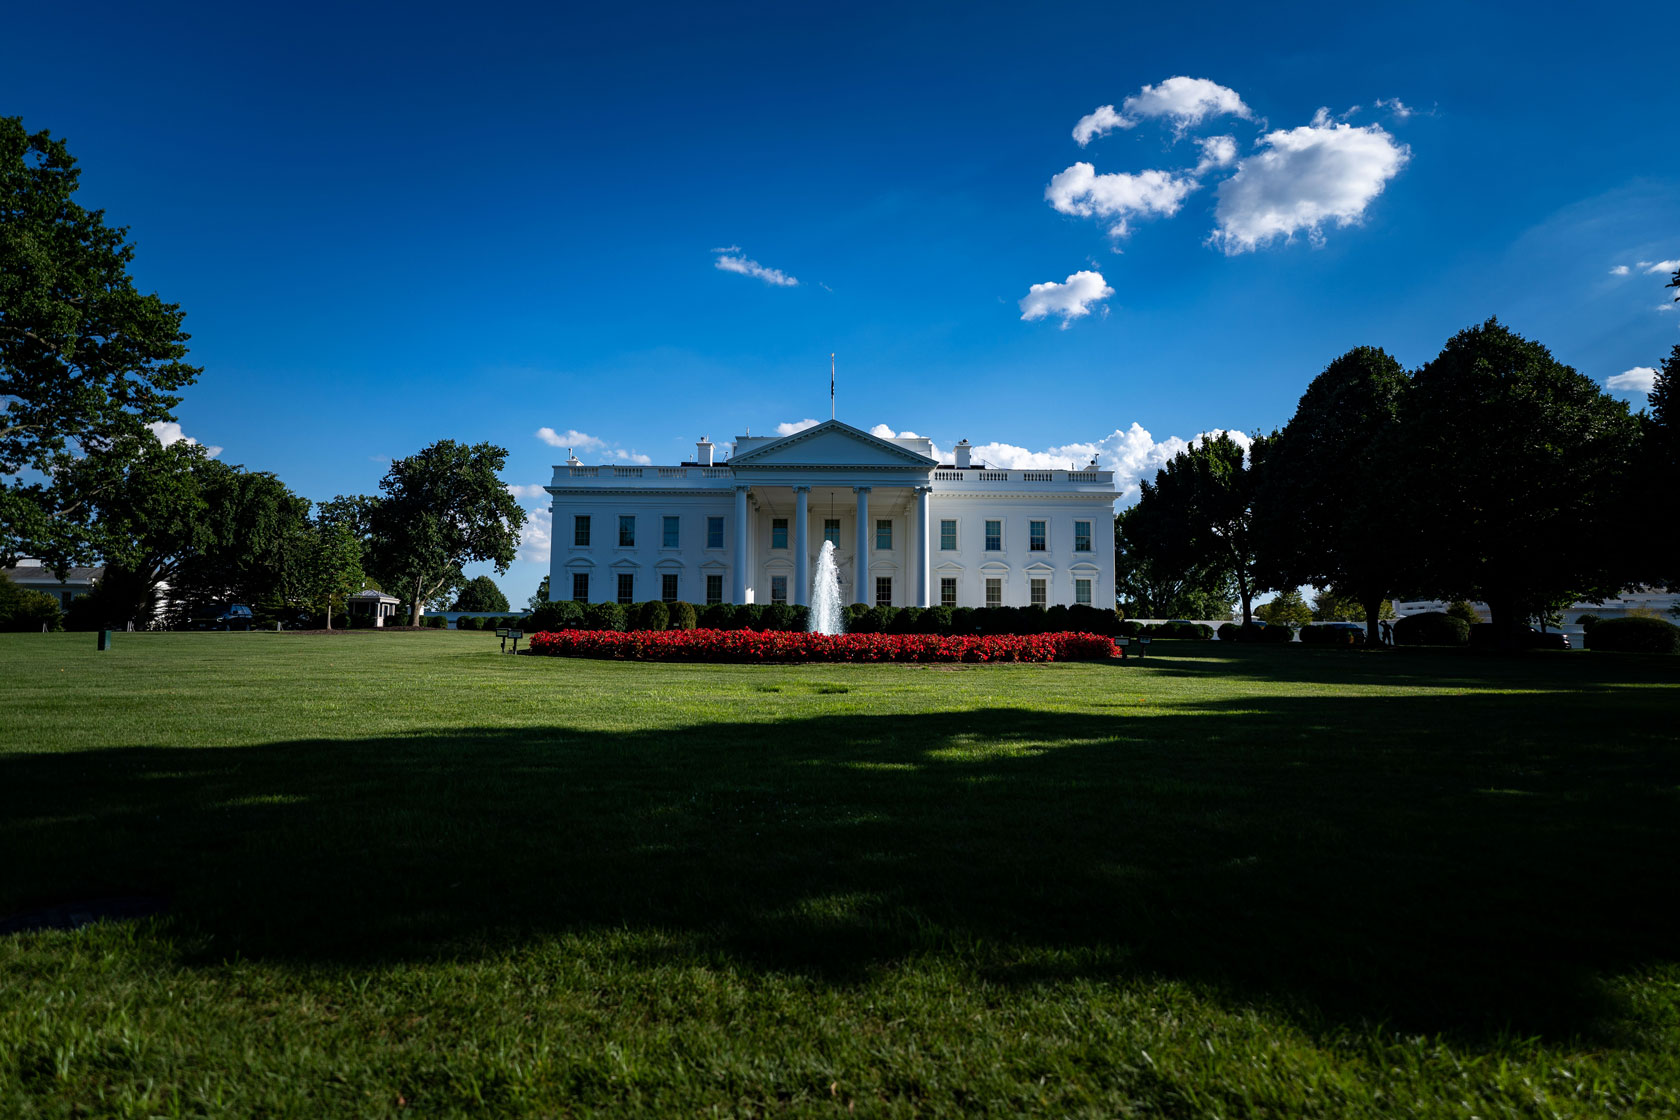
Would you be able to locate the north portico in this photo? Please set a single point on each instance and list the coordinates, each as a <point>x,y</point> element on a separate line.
<point>908,530</point>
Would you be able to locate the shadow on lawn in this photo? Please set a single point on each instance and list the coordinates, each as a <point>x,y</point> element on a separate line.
<point>1447,863</point>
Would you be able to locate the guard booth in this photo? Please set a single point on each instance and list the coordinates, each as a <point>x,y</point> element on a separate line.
<point>375,605</point>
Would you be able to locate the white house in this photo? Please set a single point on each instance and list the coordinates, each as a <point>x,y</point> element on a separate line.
<point>908,531</point>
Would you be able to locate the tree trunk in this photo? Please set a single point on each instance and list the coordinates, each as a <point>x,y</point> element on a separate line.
<point>329,614</point>
<point>414,608</point>
<point>1373,631</point>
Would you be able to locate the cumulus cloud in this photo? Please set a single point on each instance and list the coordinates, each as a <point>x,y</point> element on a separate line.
<point>1099,122</point>
<point>1639,379</point>
<point>881,431</point>
<point>1620,270</point>
<point>168,432</point>
<point>1071,299</point>
<point>1217,151</point>
<point>787,428</point>
<point>1186,102</point>
<point>1131,453</point>
<point>581,442</point>
<point>536,539</point>
<point>534,490</point>
<point>1652,267</point>
<point>1080,191</point>
<point>1303,179</point>
<point>731,260</point>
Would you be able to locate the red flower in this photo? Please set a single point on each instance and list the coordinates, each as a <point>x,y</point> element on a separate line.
<point>783,646</point>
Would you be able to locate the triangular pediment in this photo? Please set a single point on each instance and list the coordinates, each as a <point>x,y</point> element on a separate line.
<point>831,444</point>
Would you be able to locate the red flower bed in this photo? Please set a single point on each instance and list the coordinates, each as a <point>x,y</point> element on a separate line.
<point>784,646</point>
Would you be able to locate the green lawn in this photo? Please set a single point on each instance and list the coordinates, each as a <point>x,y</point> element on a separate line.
<point>402,874</point>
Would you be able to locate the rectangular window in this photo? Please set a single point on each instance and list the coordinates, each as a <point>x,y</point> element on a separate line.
<point>883,591</point>
<point>1035,536</point>
<point>626,587</point>
<point>947,536</point>
<point>672,535</point>
<point>994,593</point>
<point>778,589</point>
<point>714,532</point>
<point>580,587</point>
<point>1082,591</point>
<point>883,535</point>
<point>580,530</point>
<point>831,531</point>
<point>1082,536</point>
<point>778,532</point>
<point>1038,597</point>
<point>627,531</point>
<point>994,536</point>
<point>714,589</point>
<point>947,591</point>
<point>668,586</point>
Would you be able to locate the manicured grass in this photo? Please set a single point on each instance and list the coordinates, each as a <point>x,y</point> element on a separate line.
<point>404,874</point>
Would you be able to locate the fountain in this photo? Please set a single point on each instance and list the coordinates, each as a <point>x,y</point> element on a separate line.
<point>826,617</point>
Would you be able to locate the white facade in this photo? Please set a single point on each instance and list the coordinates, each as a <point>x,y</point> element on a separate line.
<point>908,531</point>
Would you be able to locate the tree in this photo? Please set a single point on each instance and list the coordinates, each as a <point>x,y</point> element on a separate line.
<point>1146,587</point>
<point>86,361</point>
<point>481,594</point>
<point>256,544</point>
<point>1286,608</point>
<point>541,596</point>
<point>1520,470</point>
<point>1326,509</point>
<point>442,508</point>
<point>331,569</point>
<point>1197,517</point>
<point>1662,452</point>
<point>1328,606</point>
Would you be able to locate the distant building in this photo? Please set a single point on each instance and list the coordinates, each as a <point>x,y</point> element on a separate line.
<point>907,529</point>
<point>37,577</point>
<point>376,605</point>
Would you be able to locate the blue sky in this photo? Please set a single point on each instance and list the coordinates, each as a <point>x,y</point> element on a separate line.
<point>394,226</point>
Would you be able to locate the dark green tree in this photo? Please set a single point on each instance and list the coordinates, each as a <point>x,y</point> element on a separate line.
<point>1519,473</point>
<point>441,509</point>
<point>1662,456</point>
<point>541,596</point>
<point>1328,606</point>
<point>255,546</point>
<point>480,594</point>
<point>86,361</point>
<point>1286,608</point>
<point>1326,510</point>
<point>1147,587</point>
<point>331,567</point>
<point>1199,514</point>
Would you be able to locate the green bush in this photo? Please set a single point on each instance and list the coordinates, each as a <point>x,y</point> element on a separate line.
<point>905,620</point>
<point>555,615</point>
<point>460,623</point>
<point>436,623</point>
<point>1230,632</point>
<point>775,616</point>
<point>1434,628</point>
<point>882,619</point>
<point>603,616</point>
<point>23,610</point>
<point>860,619</point>
<point>1030,619</point>
<point>683,617</point>
<point>963,620</point>
<point>937,620</point>
<point>1585,621</point>
<point>716,616</point>
<point>799,618</point>
<point>749,616</point>
<point>652,615</point>
<point>1461,609</point>
<point>1331,636</point>
<point>1634,635</point>
<point>1192,630</point>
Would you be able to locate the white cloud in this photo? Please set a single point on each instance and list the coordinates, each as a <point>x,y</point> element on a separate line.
<point>168,432</point>
<point>1303,179</point>
<point>731,261</point>
<point>1620,270</point>
<point>534,490</point>
<point>1186,102</point>
<point>1072,299</point>
<point>536,539</point>
<point>1665,307</point>
<point>1651,267</point>
<point>1131,453</point>
<point>881,431</point>
<point>1394,105</point>
<point>1099,122</point>
<point>1080,191</point>
<point>580,442</point>
<point>1639,379</point>
<point>1217,151</point>
<point>787,428</point>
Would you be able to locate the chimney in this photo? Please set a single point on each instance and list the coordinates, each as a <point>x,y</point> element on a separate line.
<point>703,451</point>
<point>572,460</point>
<point>961,451</point>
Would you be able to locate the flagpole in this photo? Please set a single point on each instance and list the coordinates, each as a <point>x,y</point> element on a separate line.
<point>831,386</point>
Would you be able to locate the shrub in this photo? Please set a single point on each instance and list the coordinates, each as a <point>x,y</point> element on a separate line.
<point>682,617</point>
<point>748,616</point>
<point>460,623</point>
<point>936,620</point>
<point>1129,628</point>
<point>770,646</point>
<point>603,616</point>
<point>1585,621</point>
<point>1331,636</point>
<point>1030,620</point>
<point>1635,635</point>
<point>906,620</point>
<point>715,616</point>
<point>963,620</point>
<point>799,617</point>
<point>1197,630</point>
<point>882,617</point>
<point>859,619</point>
<point>1230,632</point>
<point>1434,628</point>
<point>776,616</point>
<point>1461,609</point>
<point>653,615</point>
<point>23,610</point>
<point>552,615</point>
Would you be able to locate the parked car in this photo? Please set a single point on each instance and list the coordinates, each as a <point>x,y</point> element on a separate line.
<point>237,615</point>
<point>1482,634</point>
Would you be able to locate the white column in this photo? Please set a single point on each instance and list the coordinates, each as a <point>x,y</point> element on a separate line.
<point>801,546</point>
<point>738,569</point>
<point>923,559</point>
<point>862,592</point>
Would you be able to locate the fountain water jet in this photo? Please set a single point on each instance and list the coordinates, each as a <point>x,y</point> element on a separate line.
<point>826,608</point>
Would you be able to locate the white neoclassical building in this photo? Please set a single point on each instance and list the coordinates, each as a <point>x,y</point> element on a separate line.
<point>909,531</point>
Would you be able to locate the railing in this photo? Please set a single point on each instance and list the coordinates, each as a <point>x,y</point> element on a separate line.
<point>717,472</point>
<point>1038,476</point>
<point>627,472</point>
<point>994,476</point>
<point>673,472</point>
<point>585,472</point>
<point>1086,476</point>
<point>948,476</point>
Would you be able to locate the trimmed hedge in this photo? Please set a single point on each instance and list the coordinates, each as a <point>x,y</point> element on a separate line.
<point>859,618</point>
<point>1433,628</point>
<point>682,617</point>
<point>755,646</point>
<point>1332,636</point>
<point>1634,635</point>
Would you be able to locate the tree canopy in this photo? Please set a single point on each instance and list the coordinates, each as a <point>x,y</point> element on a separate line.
<point>86,360</point>
<point>480,594</point>
<point>443,508</point>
